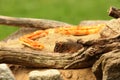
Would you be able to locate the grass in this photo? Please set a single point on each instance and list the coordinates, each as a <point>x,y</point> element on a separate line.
<point>70,11</point>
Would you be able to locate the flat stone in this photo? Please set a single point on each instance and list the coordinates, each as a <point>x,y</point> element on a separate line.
<point>51,74</point>
<point>5,73</point>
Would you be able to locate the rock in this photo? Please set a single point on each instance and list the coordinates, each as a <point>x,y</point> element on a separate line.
<point>108,66</point>
<point>5,73</point>
<point>51,74</point>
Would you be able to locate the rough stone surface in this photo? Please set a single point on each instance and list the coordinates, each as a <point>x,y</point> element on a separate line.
<point>51,74</point>
<point>108,66</point>
<point>5,73</point>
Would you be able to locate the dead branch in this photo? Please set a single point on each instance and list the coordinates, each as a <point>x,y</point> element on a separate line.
<point>114,12</point>
<point>31,22</point>
<point>85,57</point>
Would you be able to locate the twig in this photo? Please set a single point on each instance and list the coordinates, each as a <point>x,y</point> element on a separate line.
<point>114,12</point>
<point>31,22</point>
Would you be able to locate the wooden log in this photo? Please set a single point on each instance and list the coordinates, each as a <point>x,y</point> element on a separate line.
<point>85,57</point>
<point>31,22</point>
<point>114,12</point>
<point>107,66</point>
<point>94,50</point>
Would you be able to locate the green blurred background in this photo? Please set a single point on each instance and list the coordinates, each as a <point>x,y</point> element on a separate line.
<point>70,11</point>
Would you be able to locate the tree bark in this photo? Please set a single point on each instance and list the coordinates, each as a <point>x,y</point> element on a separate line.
<point>107,67</point>
<point>85,57</point>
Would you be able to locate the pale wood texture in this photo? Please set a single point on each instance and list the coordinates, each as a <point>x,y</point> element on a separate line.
<point>31,22</point>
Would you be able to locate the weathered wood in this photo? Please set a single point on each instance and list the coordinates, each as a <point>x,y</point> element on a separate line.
<point>84,58</point>
<point>107,67</point>
<point>112,28</point>
<point>31,22</point>
<point>50,60</point>
<point>67,47</point>
<point>114,12</point>
<point>31,59</point>
<point>94,50</point>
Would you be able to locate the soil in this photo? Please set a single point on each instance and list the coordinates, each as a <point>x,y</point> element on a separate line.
<point>22,73</point>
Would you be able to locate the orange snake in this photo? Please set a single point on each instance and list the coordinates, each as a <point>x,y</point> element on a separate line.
<point>73,30</point>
